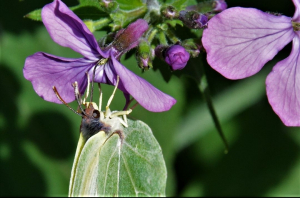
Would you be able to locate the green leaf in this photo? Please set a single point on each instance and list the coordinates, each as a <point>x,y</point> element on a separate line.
<point>34,15</point>
<point>89,12</point>
<point>89,3</point>
<point>89,9</point>
<point>178,4</point>
<point>129,10</point>
<point>122,18</point>
<point>130,4</point>
<point>85,10</point>
<point>97,25</point>
<point>174,22</point>
<point>112,166</point>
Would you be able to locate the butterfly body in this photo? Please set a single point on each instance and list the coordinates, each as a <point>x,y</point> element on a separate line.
<point>91,123</point>
<point>94,121</point>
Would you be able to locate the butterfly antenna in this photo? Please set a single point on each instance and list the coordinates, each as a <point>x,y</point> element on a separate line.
<point>60,98</point>
<point>77,94</point>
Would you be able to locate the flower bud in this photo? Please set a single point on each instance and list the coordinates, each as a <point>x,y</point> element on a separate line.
<point>144,55</point>
<point>108,5</point>
<point>177,57</point>
<point>219,5</point>
<point>128,38</point>
<point>193,19</point>
<point>170,12</point>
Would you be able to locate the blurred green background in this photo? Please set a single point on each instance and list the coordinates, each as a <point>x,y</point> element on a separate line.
<point>38,139</point>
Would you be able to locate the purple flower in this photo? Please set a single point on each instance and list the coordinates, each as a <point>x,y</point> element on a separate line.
<point>177,57</point>
<point>239,41</point>
<point>65,28</point>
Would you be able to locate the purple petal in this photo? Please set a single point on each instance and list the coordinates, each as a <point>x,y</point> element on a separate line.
<point>239,41</point>
<point>104,74</point>
<point>66,29</point>
<point>296,16</point>
<point>283,87</point>
<point>219,5</point>
<point>142,91</point>
<point>46,70</point>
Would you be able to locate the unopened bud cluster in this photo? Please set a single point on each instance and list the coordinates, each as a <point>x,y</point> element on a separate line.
<point>160,40</point>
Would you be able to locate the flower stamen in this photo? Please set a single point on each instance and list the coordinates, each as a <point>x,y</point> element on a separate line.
<point>296,26</point>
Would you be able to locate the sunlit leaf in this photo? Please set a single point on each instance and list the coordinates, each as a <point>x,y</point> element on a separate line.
<point>34,15</point>
<point>132,166</point>
<point>90,3</point>
<point>130,4</point>
<point>178,4</point>
<point>96,25</point>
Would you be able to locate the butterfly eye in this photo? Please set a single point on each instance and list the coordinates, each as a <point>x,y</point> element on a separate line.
<point>96,114</point>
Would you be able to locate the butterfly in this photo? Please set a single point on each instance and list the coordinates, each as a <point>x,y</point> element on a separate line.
<point>93,119</point>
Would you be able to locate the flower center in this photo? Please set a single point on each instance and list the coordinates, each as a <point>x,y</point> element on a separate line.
<point>296,26</point>
<point>102,61</point>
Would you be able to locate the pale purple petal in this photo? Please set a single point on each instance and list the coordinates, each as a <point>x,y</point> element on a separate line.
<point>296,16</point>
<point>283,87</point>
<point>142,91</point>
<point>66,29</point>
<point>46,70</point>
<point>239,41</point>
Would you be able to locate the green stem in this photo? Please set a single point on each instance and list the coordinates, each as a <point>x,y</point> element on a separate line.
<point>96,25</point>
<point>162,38</point>
<point>203,87</point>
<point>101,23</point>
<point>170,34</point>
<point>152,34</point>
